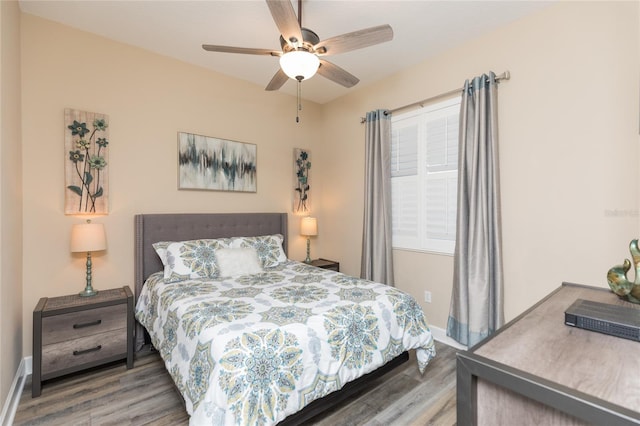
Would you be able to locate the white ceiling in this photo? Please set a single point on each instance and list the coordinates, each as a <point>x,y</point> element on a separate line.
<point>178,29</point>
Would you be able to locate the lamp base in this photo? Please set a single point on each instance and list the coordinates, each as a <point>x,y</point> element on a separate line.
<point>88,289</point>
<point>88,292</point>
<point>308,259</point>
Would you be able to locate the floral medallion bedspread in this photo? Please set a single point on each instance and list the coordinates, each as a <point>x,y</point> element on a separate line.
<point>254,349</point>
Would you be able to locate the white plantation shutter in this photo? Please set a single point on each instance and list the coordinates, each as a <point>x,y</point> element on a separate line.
<point>404,183</point>
<point>439,196</point>
<point>404,149</point>
<point>424,173</point>
<point>405,211</point>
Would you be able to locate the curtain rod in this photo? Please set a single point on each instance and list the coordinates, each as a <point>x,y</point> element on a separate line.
<point>504,76</point>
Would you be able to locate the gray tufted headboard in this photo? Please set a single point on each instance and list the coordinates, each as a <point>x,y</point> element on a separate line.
<point>151,228</point>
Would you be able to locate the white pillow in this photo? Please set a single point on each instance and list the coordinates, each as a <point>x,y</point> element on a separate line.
<point>238,261</point>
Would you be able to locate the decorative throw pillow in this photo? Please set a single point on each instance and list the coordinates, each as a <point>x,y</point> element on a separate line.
<point>238,261</point>
<point>268,247</point>
<point>161,249</point>
<point>192,259</point>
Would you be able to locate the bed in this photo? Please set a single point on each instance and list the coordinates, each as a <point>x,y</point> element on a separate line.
<point>257,338</point>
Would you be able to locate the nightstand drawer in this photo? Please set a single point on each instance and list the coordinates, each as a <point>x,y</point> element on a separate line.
<point>79,324</point>
<point>71,353</point>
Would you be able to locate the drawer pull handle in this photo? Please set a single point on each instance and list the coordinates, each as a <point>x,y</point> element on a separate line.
<point>87,324</point>
<point>86,351</point>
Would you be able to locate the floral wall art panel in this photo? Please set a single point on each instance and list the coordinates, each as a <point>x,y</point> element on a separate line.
<point>301,181</point>
<point>216,164</point>
<point>86,144</point>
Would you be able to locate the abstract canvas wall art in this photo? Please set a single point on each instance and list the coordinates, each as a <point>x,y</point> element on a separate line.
<point>216,164</point>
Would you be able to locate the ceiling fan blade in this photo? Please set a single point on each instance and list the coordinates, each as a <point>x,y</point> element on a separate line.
<point>355,40</point>
<point>337,74</point>
<point>277,81</point>
<point>245,50</point>
<point>286,21</point>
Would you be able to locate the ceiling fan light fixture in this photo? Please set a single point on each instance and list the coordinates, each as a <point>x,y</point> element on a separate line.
<point>299,63</point>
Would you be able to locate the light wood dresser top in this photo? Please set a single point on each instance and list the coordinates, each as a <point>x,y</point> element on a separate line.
<point>596,364</point>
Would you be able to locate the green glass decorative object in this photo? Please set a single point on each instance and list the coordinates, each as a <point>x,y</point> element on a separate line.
<point>617,276</point>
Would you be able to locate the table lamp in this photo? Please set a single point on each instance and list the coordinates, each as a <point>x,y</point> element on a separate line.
<point>88,237</point>
<point>308,228</point>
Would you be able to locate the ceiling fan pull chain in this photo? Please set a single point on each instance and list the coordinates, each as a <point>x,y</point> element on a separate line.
<point>298,101</point>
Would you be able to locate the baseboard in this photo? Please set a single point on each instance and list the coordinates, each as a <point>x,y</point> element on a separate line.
<point>28,364</point>
<point>440,334</point>
<point>13,397</point>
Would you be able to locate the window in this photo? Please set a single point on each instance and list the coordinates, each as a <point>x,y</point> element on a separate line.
<point>424,177</point>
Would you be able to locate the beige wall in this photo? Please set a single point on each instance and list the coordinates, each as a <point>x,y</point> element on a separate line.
<point>568,151</point>
<point>10,197</point>
<point>148,98</point>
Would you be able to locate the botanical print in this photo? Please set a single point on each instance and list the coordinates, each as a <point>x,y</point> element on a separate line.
<point>302,181</point>
<point>216,164</point>
<point>86,172</point>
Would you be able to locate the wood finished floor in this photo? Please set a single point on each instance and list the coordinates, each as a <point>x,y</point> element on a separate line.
<point>145,395</point>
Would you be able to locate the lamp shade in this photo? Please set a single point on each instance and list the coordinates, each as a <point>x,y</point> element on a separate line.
<point>299,64</point>
<point>309,226</point>
<point>88,237</point>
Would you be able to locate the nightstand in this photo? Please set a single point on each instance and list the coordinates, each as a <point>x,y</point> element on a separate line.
<point>326,264</point>
<point>73,333</point>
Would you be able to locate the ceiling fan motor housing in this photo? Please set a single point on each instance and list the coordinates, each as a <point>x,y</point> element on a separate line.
<point>309,37</point>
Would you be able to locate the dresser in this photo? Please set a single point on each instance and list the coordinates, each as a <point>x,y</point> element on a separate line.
<point>73,333</point>
<point>538,371</point>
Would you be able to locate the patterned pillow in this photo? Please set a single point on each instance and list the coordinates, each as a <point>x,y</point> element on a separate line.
<point>192,259</point>
<point>268,247</point>
<point>161,249</point>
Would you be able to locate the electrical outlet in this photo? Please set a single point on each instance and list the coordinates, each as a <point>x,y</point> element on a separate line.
<point>427,296</point>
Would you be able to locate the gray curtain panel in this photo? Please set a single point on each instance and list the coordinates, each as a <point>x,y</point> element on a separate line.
<point>377,260</point>
<point>477,298</point>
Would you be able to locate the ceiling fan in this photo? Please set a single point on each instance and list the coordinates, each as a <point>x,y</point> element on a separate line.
<point>303,51</point>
